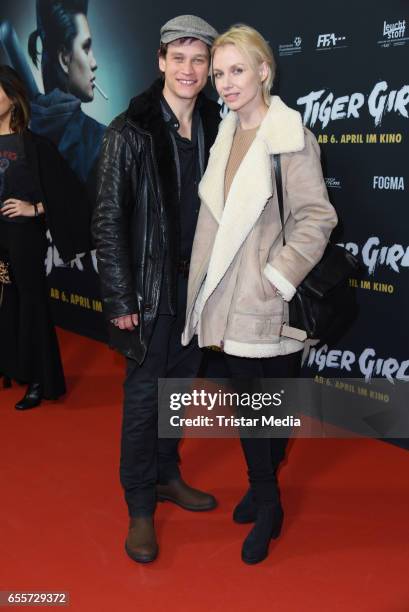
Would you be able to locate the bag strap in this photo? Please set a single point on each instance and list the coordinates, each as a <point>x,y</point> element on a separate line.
<point>279,184</point>
<point>287,330</point>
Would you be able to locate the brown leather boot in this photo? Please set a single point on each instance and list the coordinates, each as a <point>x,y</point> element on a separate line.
<point>141,545</point>
<point>179,493</point>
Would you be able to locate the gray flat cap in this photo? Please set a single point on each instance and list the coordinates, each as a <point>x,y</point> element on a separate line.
<point>187,26</point>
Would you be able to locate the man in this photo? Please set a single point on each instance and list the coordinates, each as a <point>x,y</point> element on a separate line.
<point>153,157</point>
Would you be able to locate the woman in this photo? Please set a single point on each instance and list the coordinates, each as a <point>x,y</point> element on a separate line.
<point>241,276</point>
<point>37,191</point>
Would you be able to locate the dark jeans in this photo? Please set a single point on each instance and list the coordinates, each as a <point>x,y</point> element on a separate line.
<point>145,460</point>
<point>264,455</point>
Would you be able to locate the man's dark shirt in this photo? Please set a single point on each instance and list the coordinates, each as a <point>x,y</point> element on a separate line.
<point>189,174</point>
<point>189,168</point>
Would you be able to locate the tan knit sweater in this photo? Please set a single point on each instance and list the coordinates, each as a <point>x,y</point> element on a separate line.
<point>241,143</point>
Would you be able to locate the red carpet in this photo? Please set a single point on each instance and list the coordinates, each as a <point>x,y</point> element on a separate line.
<point>344,546</point>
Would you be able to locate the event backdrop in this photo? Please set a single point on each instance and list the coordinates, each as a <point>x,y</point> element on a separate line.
<point>344,66</point>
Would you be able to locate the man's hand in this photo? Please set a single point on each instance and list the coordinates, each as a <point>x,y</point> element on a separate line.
<point>128,322</point>
<point>17,208</point>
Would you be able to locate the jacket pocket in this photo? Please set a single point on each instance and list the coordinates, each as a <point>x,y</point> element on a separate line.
<point>250,327</point>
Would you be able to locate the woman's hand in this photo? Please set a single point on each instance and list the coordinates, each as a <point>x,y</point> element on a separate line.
<point>128,322</point>
<point>17,208</point>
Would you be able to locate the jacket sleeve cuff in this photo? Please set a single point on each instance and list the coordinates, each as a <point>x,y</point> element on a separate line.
<point>283,286</point>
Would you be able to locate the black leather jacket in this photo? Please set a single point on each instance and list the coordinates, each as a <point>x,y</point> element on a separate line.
<point>136,220</point>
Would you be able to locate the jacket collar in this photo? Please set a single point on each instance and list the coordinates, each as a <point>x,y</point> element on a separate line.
<point>145,108</point>
<point>280,132</point>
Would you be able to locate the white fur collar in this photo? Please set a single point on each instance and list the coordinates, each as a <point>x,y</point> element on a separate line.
<point>280,132</point>
<point>281,129</point>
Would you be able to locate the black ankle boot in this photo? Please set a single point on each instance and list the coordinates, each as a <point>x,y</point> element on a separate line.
<point>246,509</point>
<point>32,398</point>
<point>267,526</point>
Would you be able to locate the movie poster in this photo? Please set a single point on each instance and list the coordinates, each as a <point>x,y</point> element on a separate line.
<point>347,78</point>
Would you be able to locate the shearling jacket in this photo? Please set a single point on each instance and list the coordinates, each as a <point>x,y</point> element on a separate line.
<point>136,220</point>
<point>238,257</point>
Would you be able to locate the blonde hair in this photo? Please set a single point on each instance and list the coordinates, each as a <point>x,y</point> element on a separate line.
<point>254,47</point>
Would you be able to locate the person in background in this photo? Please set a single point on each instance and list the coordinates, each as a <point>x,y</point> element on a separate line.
<point>152,160</point>
<point>38,190</point>
<point>241,275</point>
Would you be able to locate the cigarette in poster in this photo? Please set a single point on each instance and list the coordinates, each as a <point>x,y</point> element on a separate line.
<point>103,94</point>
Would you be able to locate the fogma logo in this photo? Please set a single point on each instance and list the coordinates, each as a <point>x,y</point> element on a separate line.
<point>368,362</point>
<point>394,30</point>
<point>329,41</point>
<point>325,107</point>
<point>333,183</point>
<point>394,257</point>
<point>395,183</point>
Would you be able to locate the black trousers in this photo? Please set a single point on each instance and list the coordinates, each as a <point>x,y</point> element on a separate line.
<point>29,349</point>
<point>264,455</point>
<point>145,460</point>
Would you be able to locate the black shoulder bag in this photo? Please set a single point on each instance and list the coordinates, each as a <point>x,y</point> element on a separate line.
<point>324,304</point>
